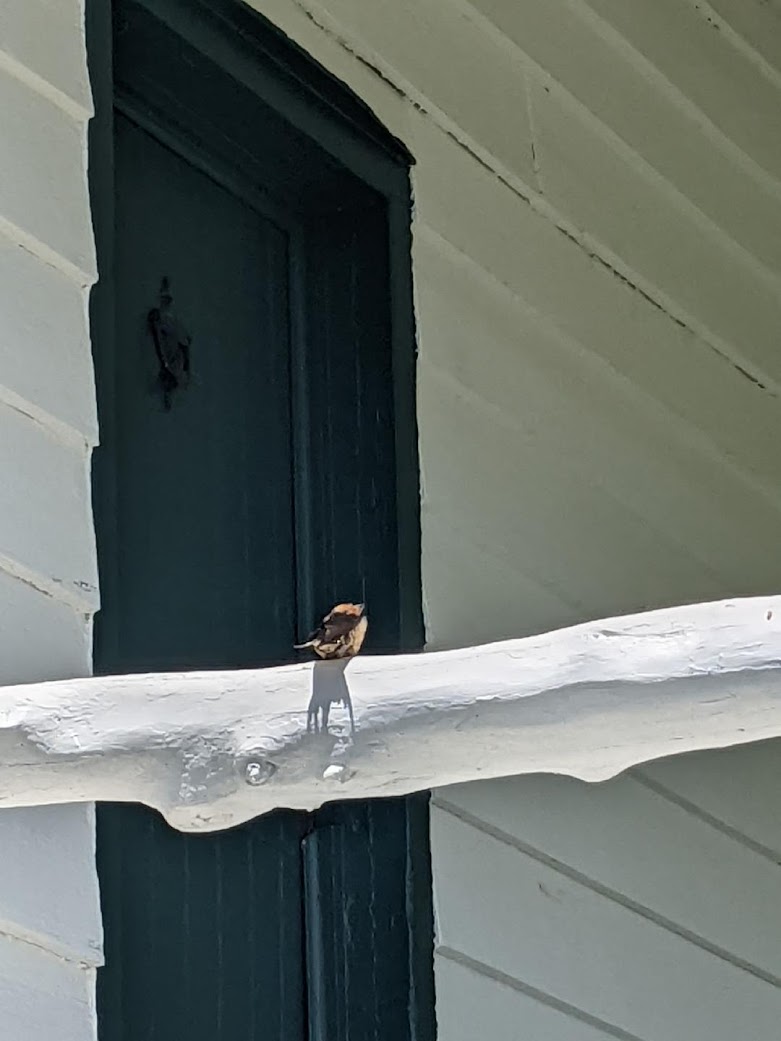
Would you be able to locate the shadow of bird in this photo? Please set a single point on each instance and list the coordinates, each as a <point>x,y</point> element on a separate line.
<point>338,638</point>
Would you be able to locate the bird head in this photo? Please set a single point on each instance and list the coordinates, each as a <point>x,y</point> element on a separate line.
<point>351,610</point>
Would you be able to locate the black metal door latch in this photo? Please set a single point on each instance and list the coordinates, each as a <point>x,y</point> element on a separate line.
<point>172,345</point>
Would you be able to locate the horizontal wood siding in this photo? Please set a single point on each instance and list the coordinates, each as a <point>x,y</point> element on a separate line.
<point>47,409</point>
<point>473,1004</point>
<point>622,910</point>
<point>597,261</point>
<point>28,617</point>
<point>731,789</point>
<point>47,893</point>
<point>44,350</point>
<point>42,996</point>
<point>50,932</point>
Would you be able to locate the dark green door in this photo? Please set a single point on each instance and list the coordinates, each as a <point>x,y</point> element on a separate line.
<point>205,519</point>
<point>280,476</point>
<point>203,934</point>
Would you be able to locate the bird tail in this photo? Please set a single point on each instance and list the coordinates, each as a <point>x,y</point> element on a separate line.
<point>303,646</point>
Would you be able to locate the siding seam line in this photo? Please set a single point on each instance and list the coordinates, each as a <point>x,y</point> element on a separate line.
<point>681,100</point>
<point>531,116</point>
<point>508,562</point>
<point>52,948</point>
<point>670,795</point>
<point>692,435</point>
<point>676,197</point>
<point>46,254</point>
<point>593,247</point>
<point>500,418</point>
<point>724,349</point>
<point>634,159</point>
<point>85,604</point>
<point>44,88</point>
<point>58,429</point>
<point>737,40</point>
<point>607,892</point>
<point>480,968</point>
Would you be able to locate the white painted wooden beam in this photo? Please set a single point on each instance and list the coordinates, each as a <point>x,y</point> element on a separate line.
<point>213,749</point>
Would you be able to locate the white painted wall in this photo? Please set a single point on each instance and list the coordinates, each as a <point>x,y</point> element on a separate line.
<point>50,932</point>
<point>646,907</point>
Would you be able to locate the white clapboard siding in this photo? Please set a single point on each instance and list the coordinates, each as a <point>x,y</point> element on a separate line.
<point>600,436</point>
<point>607,77</point>
<point>521,250</point>
<point>646,850</point>
<point>471,1005</point>
<point>47,261</point>
<point>519,603</point>
<point>44,39</point>
<point>590,566</point>
<point>756,26</point>
<point>725,84</point>
<point>45,510</point>
<point>43,191</point>
<point>53,851</point>
<point>43,996</point>
<point>559,935</point>
<point>45,359</point>
<point>41,636</point>
<point>50,932</point>
<point>660,236</point>
<point>735,787</point>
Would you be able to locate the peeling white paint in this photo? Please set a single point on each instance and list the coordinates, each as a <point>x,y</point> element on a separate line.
<point>212,749</point>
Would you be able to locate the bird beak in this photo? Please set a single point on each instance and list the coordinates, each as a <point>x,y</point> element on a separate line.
<point>361,607</point>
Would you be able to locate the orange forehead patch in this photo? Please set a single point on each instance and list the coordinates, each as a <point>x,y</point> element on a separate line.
<point>353,609</point>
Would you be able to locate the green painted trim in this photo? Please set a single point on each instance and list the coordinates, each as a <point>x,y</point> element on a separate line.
<point>339,121</point>
<point>297,86</point>
<point>316,103</point>
<point>404,349</point>
<point>99,29</point>
<point>359,859</point>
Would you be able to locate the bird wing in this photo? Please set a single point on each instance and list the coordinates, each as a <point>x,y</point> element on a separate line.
<point>333,629</point>
<point>314,637</point>
<point>336,627</point>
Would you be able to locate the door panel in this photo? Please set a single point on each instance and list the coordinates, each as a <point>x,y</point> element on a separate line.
<point>352,427</point>
<point>204,932</point>
<point>206,563</point>
<point>363,910</point>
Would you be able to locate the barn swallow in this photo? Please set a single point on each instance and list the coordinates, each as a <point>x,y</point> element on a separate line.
<point>340,634</point>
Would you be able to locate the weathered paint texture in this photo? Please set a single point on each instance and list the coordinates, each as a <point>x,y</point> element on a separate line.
<point>645,907</point>
<point>48,422</point>
<point>214,749</point>
<point>50,931</point>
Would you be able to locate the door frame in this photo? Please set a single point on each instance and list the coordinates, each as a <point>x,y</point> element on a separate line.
<point>317,103</point>
<point>320,106</point>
